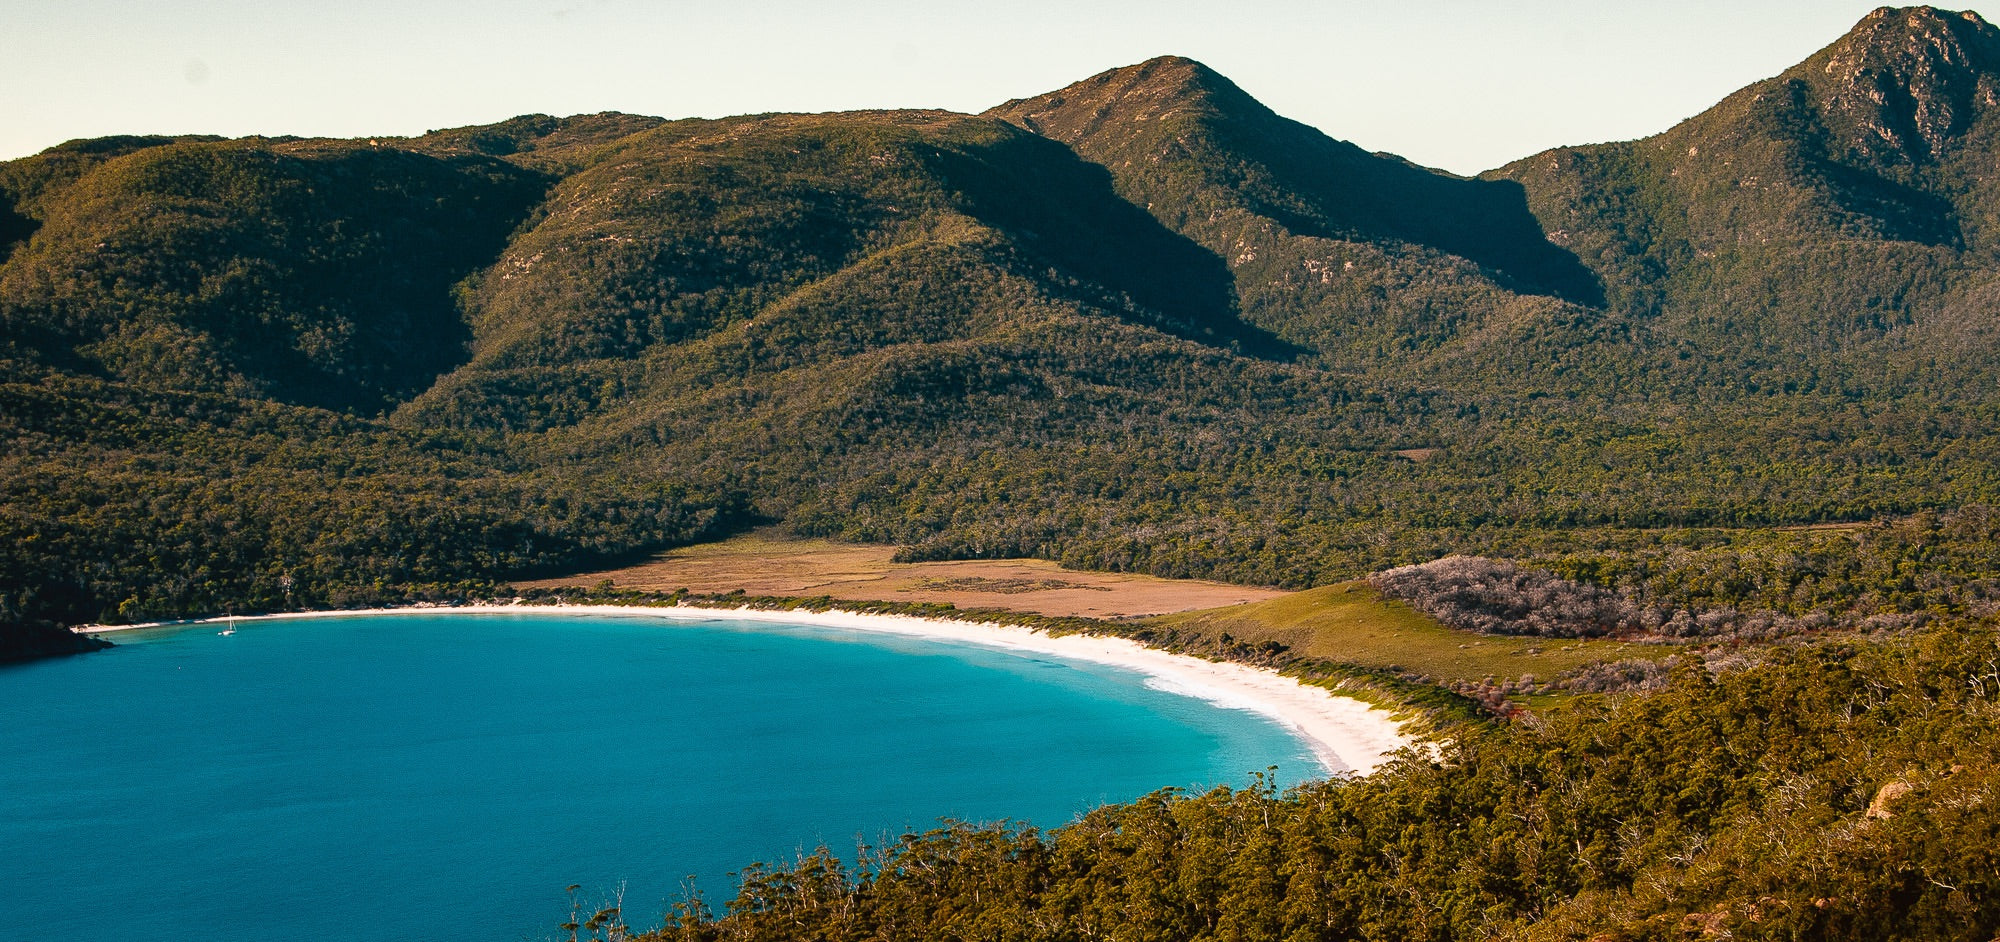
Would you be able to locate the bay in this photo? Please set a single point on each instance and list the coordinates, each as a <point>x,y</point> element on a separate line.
<point>424,775</point>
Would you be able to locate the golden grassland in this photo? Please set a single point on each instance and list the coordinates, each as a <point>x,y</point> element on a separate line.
<point>762,563</point>
<point>1348,623</point>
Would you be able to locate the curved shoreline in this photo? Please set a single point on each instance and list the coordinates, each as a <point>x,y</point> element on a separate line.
<point>1345,734</point>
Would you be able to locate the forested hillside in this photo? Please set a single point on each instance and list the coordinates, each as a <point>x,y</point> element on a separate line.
<point>1139,323</point>
<point>1359,257</point>
<point>1865,809</point>
<point>1827,232</point>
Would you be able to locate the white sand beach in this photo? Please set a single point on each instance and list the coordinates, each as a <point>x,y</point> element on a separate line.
<point>1346,735</point>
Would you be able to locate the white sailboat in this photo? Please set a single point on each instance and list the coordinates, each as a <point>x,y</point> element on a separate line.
<point>231,629</point>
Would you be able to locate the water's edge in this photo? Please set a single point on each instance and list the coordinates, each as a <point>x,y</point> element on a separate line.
<point>390,777</point>
<point>1346,734</point>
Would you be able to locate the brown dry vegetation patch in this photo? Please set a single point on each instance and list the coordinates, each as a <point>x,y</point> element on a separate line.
<point>763,563</point>
<point>1351,623</point>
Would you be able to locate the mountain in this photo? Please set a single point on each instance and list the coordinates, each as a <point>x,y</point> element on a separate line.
<point>774,242</point>
<point>1355,255</point>
<point>368,367</point>
<point>1830,226</point>
<point>305,271</point>
<point>1138,323</point>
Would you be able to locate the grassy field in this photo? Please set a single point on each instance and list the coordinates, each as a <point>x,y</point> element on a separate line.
<point>1351,623</point>
<point>765,564</point>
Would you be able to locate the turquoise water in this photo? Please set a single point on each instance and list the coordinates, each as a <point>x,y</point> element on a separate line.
<point>430,776</point>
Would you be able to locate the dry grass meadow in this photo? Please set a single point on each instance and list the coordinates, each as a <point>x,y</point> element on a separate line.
<point>1348,623</point>
<point>761,563</point>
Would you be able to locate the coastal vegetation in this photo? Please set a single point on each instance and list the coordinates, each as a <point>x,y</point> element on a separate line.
<point>1864,809</point>
<point>1354,625</point>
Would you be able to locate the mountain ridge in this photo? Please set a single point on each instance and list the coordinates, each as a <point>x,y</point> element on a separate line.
<point>1199,104</point>
<point>1354,256</point>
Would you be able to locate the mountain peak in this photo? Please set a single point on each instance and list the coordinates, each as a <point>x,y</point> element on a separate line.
<point>1157,89</point>
<point>1921,18</point>
<point>1905,81</point>
<point>1913,39</point>
<point>1164,73</point>
<point>1167,70</point>
<point>1203,156</point>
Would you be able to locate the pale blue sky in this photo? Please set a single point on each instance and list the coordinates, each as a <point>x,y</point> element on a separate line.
<point>1464,85</point>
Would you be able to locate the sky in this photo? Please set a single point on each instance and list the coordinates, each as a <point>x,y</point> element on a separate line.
<point>1462,85</point>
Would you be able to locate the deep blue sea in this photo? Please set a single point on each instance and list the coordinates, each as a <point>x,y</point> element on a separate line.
<point>446,776</point>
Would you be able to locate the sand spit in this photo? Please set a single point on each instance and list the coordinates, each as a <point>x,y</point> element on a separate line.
<point>1347,735</point>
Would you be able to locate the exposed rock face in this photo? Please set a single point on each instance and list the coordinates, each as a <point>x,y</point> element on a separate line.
<point>1886,798</point>
<point>1904,83</point>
